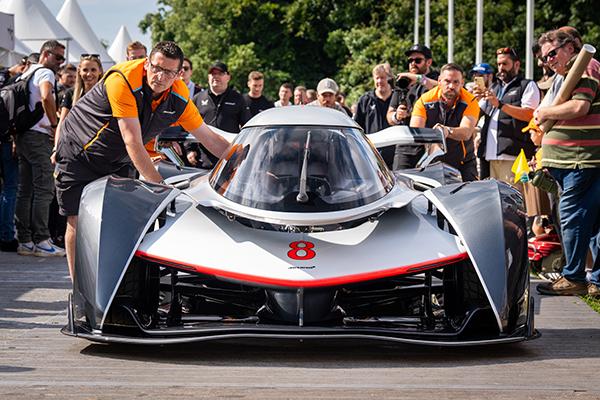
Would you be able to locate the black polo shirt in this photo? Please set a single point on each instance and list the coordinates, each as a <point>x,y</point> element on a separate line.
<point>227,111</point>
<point>257,104</point>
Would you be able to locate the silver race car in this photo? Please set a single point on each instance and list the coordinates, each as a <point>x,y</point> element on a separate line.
<point>302,232</point>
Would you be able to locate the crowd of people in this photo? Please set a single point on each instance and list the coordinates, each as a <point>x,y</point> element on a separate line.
<point>488,117</point>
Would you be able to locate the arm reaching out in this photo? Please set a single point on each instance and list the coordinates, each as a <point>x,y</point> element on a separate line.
<point>214,143</point>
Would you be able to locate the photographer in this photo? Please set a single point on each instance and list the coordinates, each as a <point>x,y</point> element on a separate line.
<point>408,87</point>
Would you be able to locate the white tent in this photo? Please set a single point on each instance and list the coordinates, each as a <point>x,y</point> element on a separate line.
<point>7,31</point>
<point>34,24</point>
<point>118,48</point>
<point>8,56</point>
<point>72,19</point>
<point>22,48</point>
<point>12,57</point>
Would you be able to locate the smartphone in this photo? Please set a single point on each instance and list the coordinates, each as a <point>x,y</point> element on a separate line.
<point>479,82</point>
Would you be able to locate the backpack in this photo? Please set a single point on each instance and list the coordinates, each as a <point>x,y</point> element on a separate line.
<point>15,115</point>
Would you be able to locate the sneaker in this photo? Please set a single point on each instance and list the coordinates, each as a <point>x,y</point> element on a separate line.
<point>58,241</point>
<point>47,249</point>
<point>563,287</point>
<point>593,290</point>
<point>26,249</point>
<point>9,245</point>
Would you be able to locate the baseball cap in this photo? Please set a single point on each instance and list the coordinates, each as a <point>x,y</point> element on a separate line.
<point>221,66</point>
<point>419,48</point>
<point>327,85</point>
<point>482,68</point>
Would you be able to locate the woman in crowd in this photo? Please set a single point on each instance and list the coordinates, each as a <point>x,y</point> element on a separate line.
<point>88,74</point>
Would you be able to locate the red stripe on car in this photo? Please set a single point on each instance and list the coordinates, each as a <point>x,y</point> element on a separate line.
<point>340,280</point>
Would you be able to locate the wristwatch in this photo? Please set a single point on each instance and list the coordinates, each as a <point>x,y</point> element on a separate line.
<point>500,105</point>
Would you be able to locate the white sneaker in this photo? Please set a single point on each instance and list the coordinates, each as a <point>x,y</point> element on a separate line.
<point>47,249</point>
<point>26,249</point>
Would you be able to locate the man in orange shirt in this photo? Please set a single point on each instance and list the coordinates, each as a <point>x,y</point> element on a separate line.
<point>106,130</point>
<point>450,107</point>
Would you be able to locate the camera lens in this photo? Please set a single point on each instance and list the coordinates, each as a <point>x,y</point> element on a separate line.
<point>403,82</point>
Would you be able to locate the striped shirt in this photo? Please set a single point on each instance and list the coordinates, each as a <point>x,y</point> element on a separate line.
<point>575,143</point>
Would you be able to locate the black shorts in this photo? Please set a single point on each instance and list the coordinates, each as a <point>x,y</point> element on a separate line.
<point>71,177</point>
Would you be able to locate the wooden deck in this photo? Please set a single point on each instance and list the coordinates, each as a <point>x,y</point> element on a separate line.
<point>36,361</point>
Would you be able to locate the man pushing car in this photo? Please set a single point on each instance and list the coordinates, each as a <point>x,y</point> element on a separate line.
<point>106,130</point>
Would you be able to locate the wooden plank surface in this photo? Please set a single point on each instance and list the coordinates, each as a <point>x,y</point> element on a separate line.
<point>36,361</point>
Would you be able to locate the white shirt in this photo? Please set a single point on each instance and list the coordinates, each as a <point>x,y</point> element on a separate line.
<point>192,88</point>
<point>278,104</point>
<point>553,91</point>
<point>41,75</point>
<point>530,99</point>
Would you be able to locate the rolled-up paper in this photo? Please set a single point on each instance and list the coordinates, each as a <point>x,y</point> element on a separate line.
<point>571,80</point>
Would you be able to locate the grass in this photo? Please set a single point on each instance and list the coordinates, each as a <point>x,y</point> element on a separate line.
<point>593,302</point>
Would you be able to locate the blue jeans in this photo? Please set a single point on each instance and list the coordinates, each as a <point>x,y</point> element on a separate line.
<point>579,212</point>
<point>8,193</point>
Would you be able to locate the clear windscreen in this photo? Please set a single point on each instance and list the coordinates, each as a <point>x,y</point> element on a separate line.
<point>302,169</point>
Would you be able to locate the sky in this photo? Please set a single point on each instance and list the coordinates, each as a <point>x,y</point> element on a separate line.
<point>106,16</point>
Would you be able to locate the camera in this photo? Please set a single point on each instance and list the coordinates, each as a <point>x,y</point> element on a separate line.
<point>402,83</point>
<point>400,86</point>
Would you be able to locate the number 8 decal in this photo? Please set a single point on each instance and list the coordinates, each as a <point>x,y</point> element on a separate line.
<point>301,250</point>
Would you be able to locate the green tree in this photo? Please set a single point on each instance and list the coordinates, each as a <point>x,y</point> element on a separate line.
<point>302,41</point>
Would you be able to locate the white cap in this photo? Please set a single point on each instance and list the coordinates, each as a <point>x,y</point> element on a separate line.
<point>327,85</point>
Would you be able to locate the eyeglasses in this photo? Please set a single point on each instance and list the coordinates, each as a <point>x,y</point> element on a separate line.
<point>508,50</point>
<point>59,58</point>
<point>186,68</point>
<point>552,53</point>
<point>86,55</point>
<point>157,69</point>
<point>416,60</point>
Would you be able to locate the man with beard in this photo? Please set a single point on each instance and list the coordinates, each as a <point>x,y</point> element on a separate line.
<point>508,107</point>
<point>419,79</point>
<point>372,108</point>
<point>327,89</point>
<point>450,107</point>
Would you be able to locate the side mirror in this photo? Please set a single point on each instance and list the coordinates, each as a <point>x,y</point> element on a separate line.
<point>167,149</point>
<point>430,156</point>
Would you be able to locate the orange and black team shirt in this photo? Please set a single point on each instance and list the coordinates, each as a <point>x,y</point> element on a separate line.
<point>91,133</point>
<point>124,105</point>
<point>433,109</point>
<point>123,102</point>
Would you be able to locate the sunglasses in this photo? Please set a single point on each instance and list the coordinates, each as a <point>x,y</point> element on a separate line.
<point>508,50</point>
<point>416,60</point>
<point>58,57</point>
<point>552,53</point>
<point>86,55</point>
<point>185,68</point>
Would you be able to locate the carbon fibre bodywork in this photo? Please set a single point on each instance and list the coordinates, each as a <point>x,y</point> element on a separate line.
<point>432,261</point>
